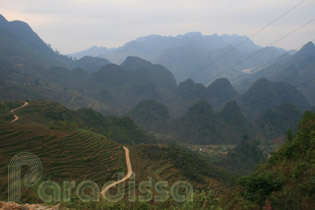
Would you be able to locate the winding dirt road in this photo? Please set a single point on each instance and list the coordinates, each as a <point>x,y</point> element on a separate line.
<point>129,172</point>
<point>127,157</point>
<point>13,110</point>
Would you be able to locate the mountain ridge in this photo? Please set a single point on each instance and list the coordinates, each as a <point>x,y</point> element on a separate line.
<point>174,52</point>
<point>294,69</point>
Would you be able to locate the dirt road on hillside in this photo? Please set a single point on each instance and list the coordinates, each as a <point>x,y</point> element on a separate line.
<point>129,172</point>
<point>13,110</point>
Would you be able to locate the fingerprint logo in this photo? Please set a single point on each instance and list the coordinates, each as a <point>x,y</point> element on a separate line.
<point>14,174</point>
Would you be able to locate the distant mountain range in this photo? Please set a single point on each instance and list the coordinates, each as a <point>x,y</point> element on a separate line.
<point>186,54</point>
<point>94,51</point>
<point>144,90</point>
<point>81,112</point>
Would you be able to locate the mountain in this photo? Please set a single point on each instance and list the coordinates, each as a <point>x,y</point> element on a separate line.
<point>116,89</point>
<point>197,126</point>
<point>29,69</point>
<point>20,45</point>
<point>190,91</point>
<point>122,88</point>
<point>217,94</point>
<point>200,125</point>
<point>264,95</point>
<point>94,51</point>
<point>150,115</point>
<point>185,54</point>
<point>294,69</point>
<point>207,65</point>
<point>274,123</point>
<point>106,87</point>
<point>220,92</point>
<point>91,64</point>
<point>150,47</point>
<point>231,113</point>
<point>161,76</point>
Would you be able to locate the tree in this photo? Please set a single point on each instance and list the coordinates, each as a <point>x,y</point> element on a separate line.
<point>259,187</point>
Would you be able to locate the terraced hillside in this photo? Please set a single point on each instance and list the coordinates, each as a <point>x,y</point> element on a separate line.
<point>73,145</point>
<point>51,114</point>
<point>66,155</point>
<point>175,163</point>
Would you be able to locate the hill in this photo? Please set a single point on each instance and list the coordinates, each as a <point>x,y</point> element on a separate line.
<point>72,151</point>
<point>50,114</point>
<point>151,115</point>
<point>217,94</point>
<point>20,45</point>
<point>91,64</point>
<point>122,88</point>
<point>293,69</point>
<point>244,158</point>
<point>200,125</point>
<point>161,76</point>
<point>286,181</point>
<point>220,92</point>
<point>65,154</point>
<point>94,51</point>
<point>264,95</point>
<point>275,122</point>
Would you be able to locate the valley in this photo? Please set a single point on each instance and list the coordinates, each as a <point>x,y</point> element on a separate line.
<point>137,126</point>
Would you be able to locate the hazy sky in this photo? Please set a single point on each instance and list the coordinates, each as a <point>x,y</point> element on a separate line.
<point>73,25</point>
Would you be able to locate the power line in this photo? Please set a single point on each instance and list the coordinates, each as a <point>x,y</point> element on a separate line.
<point>258,101</point>
<point>269,96</point>
<point>277,93</point>
<point>259,51</point>
<point>261,67</point>
<point>248,38</point>
<point>266,64</point>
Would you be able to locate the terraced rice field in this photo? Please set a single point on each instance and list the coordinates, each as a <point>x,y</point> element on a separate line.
<point>66,155</point>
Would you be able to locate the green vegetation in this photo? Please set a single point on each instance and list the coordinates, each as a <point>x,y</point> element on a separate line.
<point>81,144</point>
<point>200,125</point>
<point>264,95</point>
<point>151,115</point>
<point>66,155</point>
<point>202,200</point>
<point>54,115</point>
<point>275,122</point>
<point>259,187</point>
<point>192,165</point>
<point>71,148</point>
<point>244,158</point>
<point>287,179</point>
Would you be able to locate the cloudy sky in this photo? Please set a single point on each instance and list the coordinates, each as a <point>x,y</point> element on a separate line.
<point>74,25</point>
